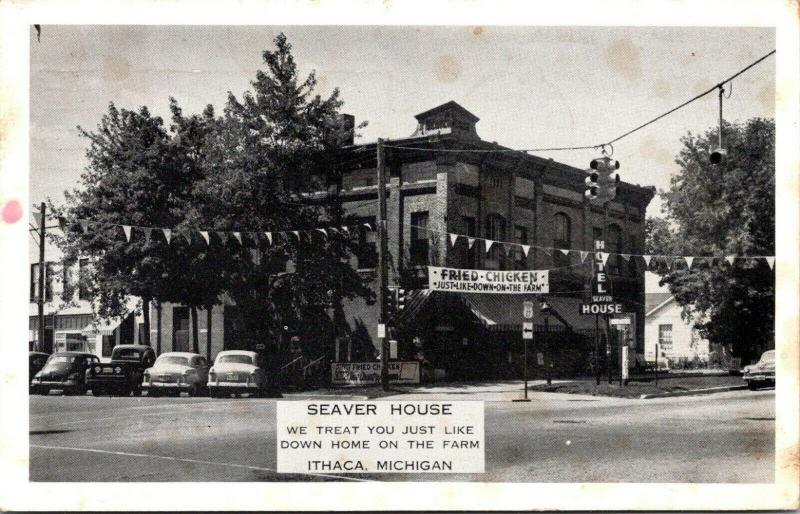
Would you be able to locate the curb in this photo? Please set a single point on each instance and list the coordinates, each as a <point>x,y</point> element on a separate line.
<point>694,392</point>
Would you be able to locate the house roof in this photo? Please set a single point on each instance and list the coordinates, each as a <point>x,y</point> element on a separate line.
<point>653,301</point>
<point>448,106</point>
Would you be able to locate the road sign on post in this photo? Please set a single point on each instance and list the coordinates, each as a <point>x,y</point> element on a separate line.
<point>527,330</point>
<point>527,310</point>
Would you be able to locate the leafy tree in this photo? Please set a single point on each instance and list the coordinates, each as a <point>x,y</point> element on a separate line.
<point>266,153</point>
<point>132,177</point>
<point>720,210</point>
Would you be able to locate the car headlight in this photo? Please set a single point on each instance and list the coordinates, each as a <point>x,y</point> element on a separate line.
<point>37,379</point>
<point>117,370</point>
<point>73,376</point>
<point>98,369</point>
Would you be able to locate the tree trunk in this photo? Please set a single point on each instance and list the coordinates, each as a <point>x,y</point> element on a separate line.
<point>146,315</point>
<point>209,309</point>
<point>158,328</point>
<point>195,341</point>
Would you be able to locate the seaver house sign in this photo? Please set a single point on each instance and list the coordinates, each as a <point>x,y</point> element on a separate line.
<point>488,281</point>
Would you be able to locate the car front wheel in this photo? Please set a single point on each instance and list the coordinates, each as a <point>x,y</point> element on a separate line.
<point>752,385</point>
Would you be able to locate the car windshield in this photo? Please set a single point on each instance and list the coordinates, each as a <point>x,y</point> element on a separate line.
<point>173,359</point>
<point>59,361</point>
<point>235,359</point>
<point>768,357</point>
<point>127,355</point>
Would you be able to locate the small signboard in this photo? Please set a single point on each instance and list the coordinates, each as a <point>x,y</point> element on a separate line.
<point>527,330</point>
<point>381,330</point>
<point>260,346</point>
<point>601,308</point>
<point>488,281</point>
<point>620,321</point>
<point>527,310</point>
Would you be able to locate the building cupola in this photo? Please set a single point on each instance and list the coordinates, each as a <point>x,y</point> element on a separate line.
<point>448,118</point>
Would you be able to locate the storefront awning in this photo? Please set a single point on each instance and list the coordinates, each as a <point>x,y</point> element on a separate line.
<point>504,311</point>
<point>108,326</point>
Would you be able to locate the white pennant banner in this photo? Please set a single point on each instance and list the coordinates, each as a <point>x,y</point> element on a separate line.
<point>730,259</point>
<point>167,234</point>
<point>647,260</point>
<point>323,232</point>
<point>223,237</point>
<point>583,255</point>
<point>127,230</point>
<point>238,236</point>
<point>147,232</point>
<point>345,230</point>
<point>564,251</point>
<point>526,249</point>
<point>625,256</point>
<point>470,242</point>
<point>689,261</point>
<point>188,236</point>
<point>204,233</point>
<point>603,257</point>
<point>269,236</point>
<point>771,262</point>
<point>453,238</point>
<point>489,244</point>
<point>296,234</point>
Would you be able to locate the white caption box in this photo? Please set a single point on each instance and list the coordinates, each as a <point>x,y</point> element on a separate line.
<point>380,437</point>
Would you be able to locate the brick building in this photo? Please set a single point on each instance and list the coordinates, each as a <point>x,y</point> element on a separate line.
<point>437,183</point>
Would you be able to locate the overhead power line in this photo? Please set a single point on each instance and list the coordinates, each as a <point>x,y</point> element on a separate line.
<point>600,145</point>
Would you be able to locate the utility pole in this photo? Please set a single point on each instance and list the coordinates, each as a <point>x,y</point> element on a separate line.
<point>608,325</point>
<point>382,281</point>
<point>42,266</point>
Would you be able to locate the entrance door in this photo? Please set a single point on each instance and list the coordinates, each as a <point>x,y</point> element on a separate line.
<point>180,329</point>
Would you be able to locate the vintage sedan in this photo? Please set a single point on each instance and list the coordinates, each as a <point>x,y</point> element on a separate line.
<point>36,361</point>
<point>64,371</point>
<point>123,375</point>
<point>761,373</point>
<point>174,372</point>
<point>236,372</point>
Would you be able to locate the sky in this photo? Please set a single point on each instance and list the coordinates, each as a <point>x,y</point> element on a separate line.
<point>531,87</point>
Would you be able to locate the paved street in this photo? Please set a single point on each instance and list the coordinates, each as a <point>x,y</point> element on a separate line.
<point>725,437</point>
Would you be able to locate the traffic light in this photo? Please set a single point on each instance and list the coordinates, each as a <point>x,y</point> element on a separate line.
<point>592,186</point>
<point>401,299</point>
<point>603,179</point>
<point>395,300</point>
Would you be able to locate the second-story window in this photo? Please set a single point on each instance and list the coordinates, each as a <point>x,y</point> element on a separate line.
<point>521,237</point>
<point>83,271</point>
<point>420,243</point>
<point>367,244</point>
<point>469,230</point>
<point>496,231</point>
<point>562,238</point>
<point>614,245</point>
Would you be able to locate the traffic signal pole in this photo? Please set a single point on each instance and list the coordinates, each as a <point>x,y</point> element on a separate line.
<point>382,280</point>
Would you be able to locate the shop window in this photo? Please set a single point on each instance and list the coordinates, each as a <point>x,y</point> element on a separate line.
<point>521,237</point>
<point>367,252</point>
<point>496,231</point>
<point>665,337</point>
<point>420,243</point>
<point>562,238</point>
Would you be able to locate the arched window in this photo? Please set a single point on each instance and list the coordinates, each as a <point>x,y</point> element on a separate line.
<point>562,238</point>
<point>614,245</point>
<point>496,231</point>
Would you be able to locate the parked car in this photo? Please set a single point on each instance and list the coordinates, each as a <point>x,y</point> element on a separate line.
<point>174,372</point>
<point>761,373</point>
<point>36,361</point>
<point>123,374</point>
<point>64,371</point>
<point>238,371</point>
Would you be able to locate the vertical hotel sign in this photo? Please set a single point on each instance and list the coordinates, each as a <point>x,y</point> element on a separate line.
<point>488,281</point>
